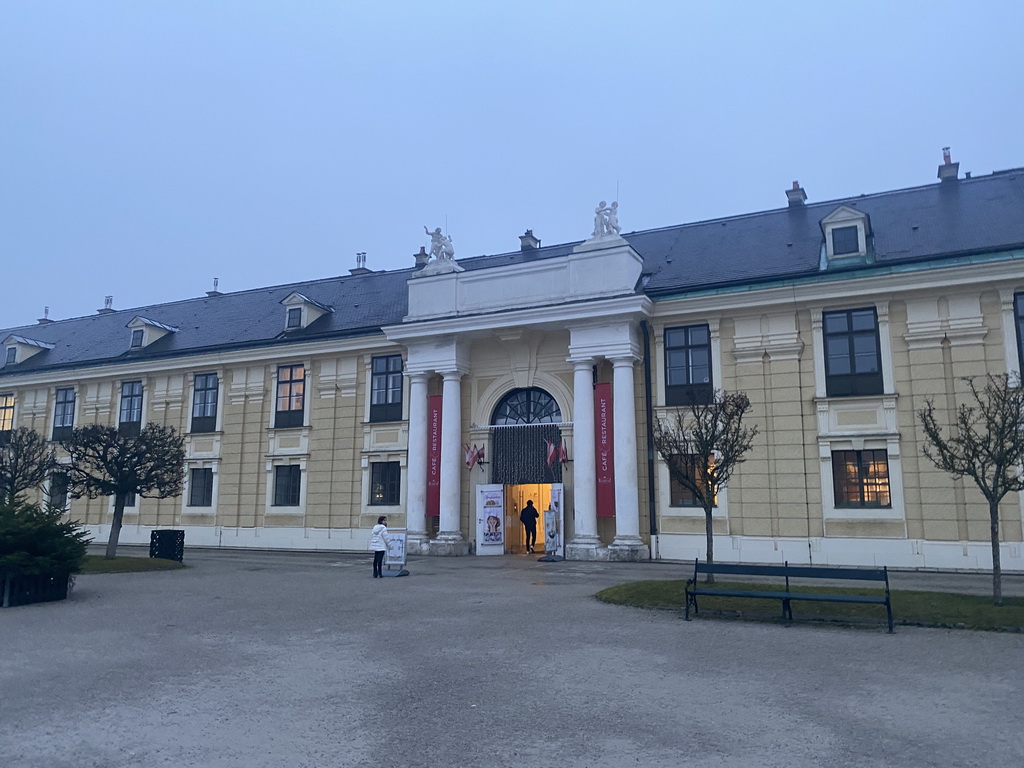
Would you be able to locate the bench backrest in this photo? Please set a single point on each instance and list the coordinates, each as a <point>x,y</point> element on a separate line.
<point>793,571</point>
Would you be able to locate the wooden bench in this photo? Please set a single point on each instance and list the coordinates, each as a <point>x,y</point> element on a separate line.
<point>777,592</point>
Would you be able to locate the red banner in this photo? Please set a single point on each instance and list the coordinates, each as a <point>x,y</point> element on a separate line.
<point>434,456</point>
<point>604,442</point>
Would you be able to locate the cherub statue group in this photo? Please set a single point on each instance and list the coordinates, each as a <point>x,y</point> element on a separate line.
<point>606,219</point>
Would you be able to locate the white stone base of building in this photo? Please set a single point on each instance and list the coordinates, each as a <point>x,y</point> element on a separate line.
<point>894,553</point>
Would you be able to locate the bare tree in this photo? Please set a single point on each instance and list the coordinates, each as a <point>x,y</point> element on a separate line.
<point>702,445</point>
<point>25,462</point>
<point>107,463</point>
<point>986,444</point>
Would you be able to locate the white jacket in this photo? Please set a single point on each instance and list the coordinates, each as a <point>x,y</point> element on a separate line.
<point>379,539</point>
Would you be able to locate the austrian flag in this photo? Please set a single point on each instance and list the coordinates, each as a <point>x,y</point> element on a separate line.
<point>552,452</point>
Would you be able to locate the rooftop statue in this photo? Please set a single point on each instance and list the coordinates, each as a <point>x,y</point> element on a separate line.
<point>606,220</point>
<point>440,245</point>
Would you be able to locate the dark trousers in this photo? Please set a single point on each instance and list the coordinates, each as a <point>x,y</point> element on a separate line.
<point>531,535</point>
<point>378,562</point>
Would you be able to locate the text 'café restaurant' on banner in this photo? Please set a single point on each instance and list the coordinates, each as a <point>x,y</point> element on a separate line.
<point>450,394</point>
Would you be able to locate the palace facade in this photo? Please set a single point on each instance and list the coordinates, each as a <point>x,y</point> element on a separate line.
<point>448,394</point>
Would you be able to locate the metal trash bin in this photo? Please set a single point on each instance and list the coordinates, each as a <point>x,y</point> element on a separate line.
<point>167,544</point>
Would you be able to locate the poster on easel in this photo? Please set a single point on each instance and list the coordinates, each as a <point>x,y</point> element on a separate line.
<point>554,521</point>
<point>395,558</point>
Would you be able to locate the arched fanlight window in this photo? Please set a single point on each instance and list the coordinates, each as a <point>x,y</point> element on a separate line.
<point>527,406</point>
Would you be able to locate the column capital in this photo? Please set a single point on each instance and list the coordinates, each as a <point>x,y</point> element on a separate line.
<point>624,361</point>
<point>581,362</point>
<point>453,375</point>
<point>418,376</point>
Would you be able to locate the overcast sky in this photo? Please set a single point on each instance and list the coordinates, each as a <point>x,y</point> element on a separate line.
<point>148,147</point>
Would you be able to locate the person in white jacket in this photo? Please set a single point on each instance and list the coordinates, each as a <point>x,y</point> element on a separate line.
<point>379,542</point>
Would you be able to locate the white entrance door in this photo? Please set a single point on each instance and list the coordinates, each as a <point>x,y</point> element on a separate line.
<point>490,519</point>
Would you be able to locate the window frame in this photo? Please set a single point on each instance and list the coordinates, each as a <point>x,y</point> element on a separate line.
<point>63,413</point>
<point>862,480</point>
<point>204,399</point>
<point>1018,315</point>
<point>844,231</point>
<point>65,491</point>
<point>138,338</point>
<point>7,402</point>
<point>386,386</point>
<point>688,392</point>
<point>854,383</point>
<point>285,391</point>
<point>293,318</point>
<point>205,488</point>
<point>676,488</point>
<point>289,492</point>
<point>11,356</point>
<point>388,476</point>
<point>130,427</point>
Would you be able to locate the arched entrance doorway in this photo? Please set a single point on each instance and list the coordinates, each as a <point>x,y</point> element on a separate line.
<point>526,466</point>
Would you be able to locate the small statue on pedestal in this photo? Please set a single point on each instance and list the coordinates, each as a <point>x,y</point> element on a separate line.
<point>606,220</point>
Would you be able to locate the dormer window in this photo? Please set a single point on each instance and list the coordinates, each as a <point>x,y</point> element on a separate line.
<point>301,311</point>
<point>847,234</point>
<point>18,349</point>
<point>146,331</point>
<point>845,240</point>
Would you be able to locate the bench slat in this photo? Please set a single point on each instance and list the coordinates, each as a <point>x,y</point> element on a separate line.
<point>740,593</point>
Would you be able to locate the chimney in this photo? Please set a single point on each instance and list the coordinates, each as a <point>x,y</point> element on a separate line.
<point>360,265</point>
<point>528,242</point>
<point>422,257</point>
<point>215,292</point>
<point>796,196</point>
<point>108,306</point>
<point>45,319</point>
<point>949,170</point>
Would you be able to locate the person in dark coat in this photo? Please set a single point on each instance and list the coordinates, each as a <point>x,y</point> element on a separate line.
<point>529,517</point>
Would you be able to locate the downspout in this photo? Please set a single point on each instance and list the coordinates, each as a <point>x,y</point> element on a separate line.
<point>649,417</point>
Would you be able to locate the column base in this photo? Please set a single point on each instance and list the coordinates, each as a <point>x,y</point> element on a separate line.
<point>449,544</point>
<point>628,550</point>
<point>417,543</point>
<point>585,548</point>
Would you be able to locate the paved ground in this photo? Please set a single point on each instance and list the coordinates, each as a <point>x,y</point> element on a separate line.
<point>256,660</point>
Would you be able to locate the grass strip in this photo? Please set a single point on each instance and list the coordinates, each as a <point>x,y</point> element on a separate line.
<point>100,564</point>
<point>940,609</point>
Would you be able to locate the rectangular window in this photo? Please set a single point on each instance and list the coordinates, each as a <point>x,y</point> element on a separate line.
<point>861,478</point>
<point>204,403</point>
<point>386,388</point>
<point>58,491</point>
<point>129,500</point>
<point>688,365</point>
<point>853,360</point>
<point>136,338</point>
<point>6,412</point>
<point>845,240</point>
<point>294,318</point>
<point>291,396</point>
<point>130,416</point>
<point>1018,313</point>
<point>200,487</point>
<point>64,413</point>
<point>287,483</point>
<point>12,356</point>
<point>385,484</point>
<point>680,496</point>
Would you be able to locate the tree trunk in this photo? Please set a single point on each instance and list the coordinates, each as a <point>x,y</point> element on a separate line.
<point>710,531</point>
<point>115,526</point>
<point>997,572</point>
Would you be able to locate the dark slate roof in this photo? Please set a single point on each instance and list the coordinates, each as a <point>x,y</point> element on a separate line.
<point>970,216</point>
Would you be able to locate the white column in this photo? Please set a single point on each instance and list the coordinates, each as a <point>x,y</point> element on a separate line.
<point>451,458</point>
<point>627,507</point>
<point>584,462</point>
<point>416,463</point>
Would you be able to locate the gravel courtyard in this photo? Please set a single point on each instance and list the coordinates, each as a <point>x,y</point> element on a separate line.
<point>252,659</point>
